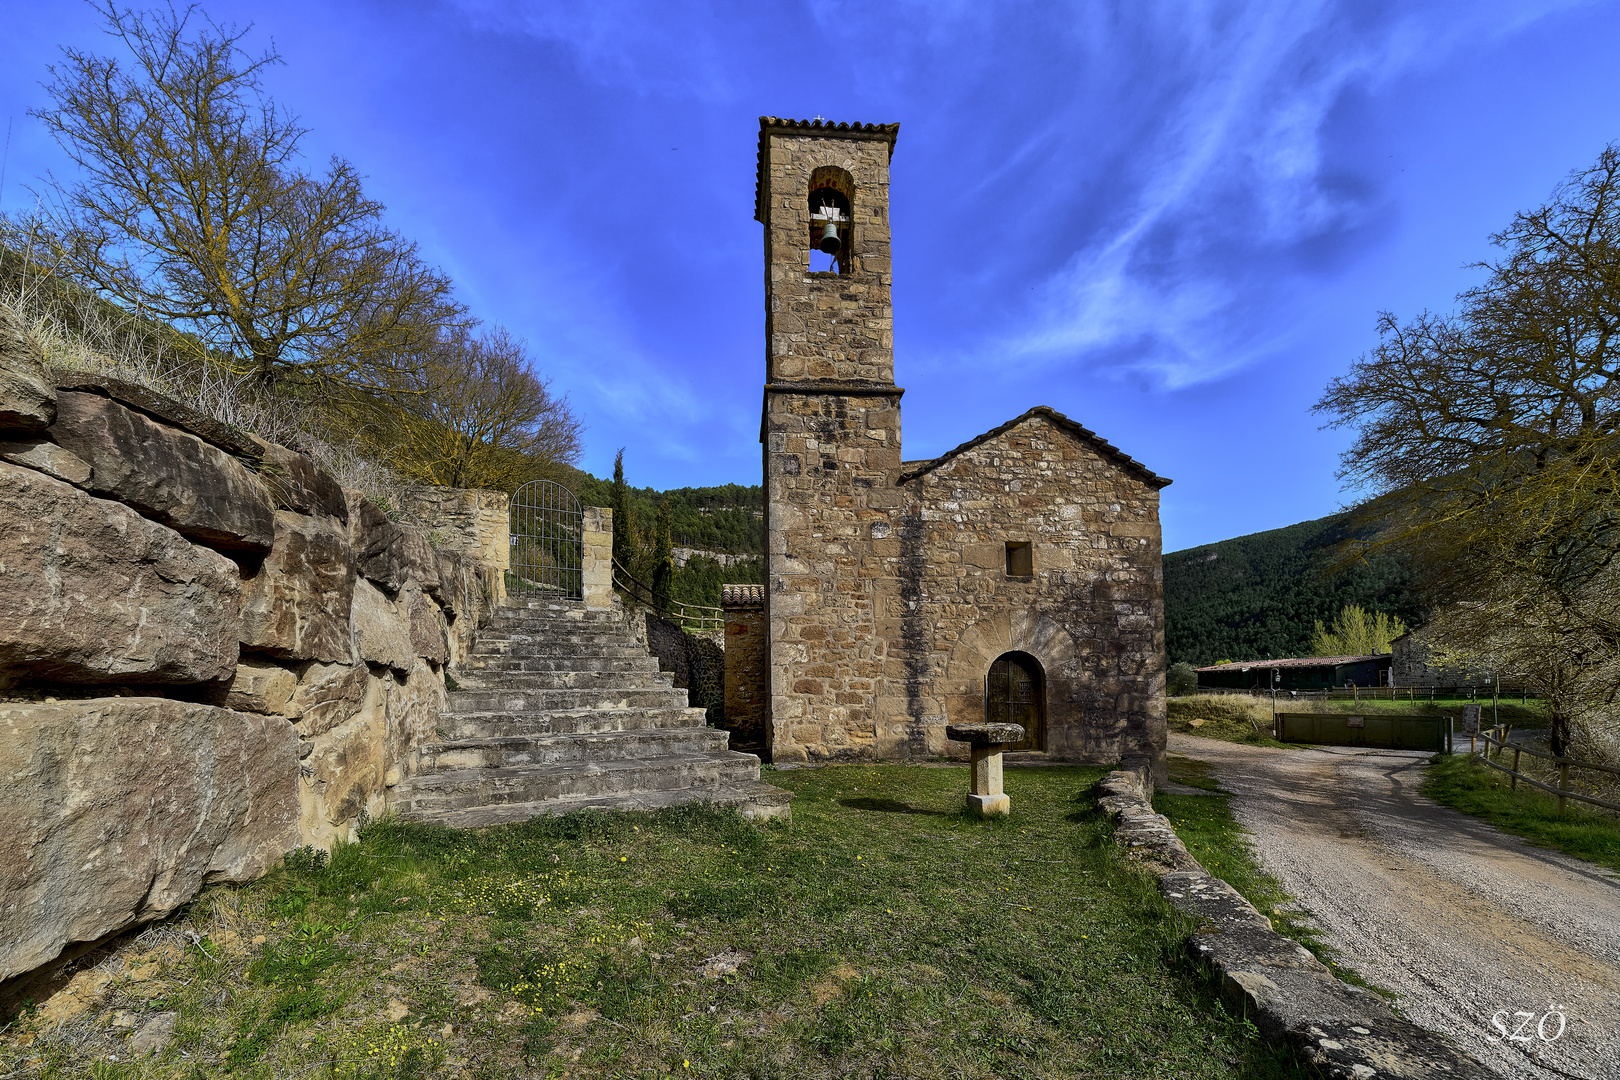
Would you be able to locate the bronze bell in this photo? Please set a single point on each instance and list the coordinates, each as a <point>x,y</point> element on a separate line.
<point>829,238</point>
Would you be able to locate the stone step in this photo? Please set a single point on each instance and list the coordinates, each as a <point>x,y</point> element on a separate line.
<point>428,794</point>
<point>510,752</point>
<point>508,662</point>
<point>753,799</point>
<point>501,725</point>
<point>567,680</point>
<point>518,700</point>
<point>544,646</point>
<point>541,635</point>
<point>522,602</point>
<point>586,619</point>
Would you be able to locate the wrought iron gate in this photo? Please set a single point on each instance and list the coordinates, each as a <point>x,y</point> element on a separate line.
<point>547,542</point>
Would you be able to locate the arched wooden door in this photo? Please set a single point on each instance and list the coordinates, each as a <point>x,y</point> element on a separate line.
<point>1015,693</point>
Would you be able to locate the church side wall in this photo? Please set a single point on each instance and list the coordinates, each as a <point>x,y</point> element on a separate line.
<point>1092,612</point>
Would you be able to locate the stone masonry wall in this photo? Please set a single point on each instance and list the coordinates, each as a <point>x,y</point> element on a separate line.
<point>210,653</point>
<point>826,325</point>
<point>747,678</point>
<point>1092,612</point>
<point>829,480</point>
<point>1413,663</point>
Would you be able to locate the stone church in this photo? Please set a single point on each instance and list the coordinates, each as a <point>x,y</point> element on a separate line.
<point>1017,577</point>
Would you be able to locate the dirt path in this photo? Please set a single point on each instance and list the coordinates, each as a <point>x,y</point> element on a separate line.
<point>1460,920</point>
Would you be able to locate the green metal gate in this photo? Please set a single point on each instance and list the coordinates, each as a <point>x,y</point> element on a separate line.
<point>1372,731</point>
<point>547,542</point>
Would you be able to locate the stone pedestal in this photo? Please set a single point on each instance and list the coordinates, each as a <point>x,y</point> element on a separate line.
<point>988,742</point>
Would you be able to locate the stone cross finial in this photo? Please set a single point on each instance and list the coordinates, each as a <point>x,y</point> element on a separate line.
<point>988,741</point>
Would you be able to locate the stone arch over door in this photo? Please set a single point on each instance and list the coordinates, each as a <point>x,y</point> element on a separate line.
<point>977,649</point>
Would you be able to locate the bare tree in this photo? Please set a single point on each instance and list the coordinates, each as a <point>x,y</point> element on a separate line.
<point>472,413</point>
<point>1490,434</point>
<point>191,207</point>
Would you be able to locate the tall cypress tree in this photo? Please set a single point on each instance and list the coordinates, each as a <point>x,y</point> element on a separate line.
<point>624,517</point>
<point>663,556</point>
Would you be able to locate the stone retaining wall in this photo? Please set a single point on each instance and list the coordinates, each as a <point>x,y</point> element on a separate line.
<point>1345,1032</point>
<point>210,652</point>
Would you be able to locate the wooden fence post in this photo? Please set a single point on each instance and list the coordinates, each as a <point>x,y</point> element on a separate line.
<point>1563,783</point>
<point>1514,783</point>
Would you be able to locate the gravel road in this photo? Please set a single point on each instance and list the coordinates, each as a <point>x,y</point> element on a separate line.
<point>1462,921</point>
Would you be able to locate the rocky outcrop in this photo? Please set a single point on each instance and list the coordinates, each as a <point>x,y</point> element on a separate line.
<point>261,686</point>
<point>170,476</point>
<point>27,400</point>
<point>296,606</point>
<point>118,810</point>
<point>427,626</point>
<point>90,591</point>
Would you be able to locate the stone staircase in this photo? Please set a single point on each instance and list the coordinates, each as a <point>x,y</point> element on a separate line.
<point>560,709</point>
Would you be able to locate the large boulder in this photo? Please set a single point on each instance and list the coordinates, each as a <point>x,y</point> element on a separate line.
<point>296,607</point>
<point>328,695</point>
<point>178,479</point>
<point>414,707</point>
<point>48,458</point>
<point>27,399</point>
<point>428,639</point>
<point>382,632</point>
<point>261,686</point>
<point>296,483</point>
<point>388,553</point>
<point>118,810</point>
<point>344,772</point>
<point>91,591</point>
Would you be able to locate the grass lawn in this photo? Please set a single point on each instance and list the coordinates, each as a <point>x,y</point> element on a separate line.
<point>1462,783</point>
<point>882,933</point>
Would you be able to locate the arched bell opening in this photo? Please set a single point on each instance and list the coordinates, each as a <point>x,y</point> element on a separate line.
<point>1015,693</point>
<point>832,207</point>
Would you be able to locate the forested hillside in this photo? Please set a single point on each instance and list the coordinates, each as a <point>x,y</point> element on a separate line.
<point>728,518</point>
<point>1257,597</point>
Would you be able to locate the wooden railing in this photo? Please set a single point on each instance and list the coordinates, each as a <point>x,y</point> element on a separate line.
<point>1497,737</point>
<point>689,616</point>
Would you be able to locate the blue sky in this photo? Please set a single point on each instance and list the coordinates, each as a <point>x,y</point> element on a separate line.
<point>1174,222</point>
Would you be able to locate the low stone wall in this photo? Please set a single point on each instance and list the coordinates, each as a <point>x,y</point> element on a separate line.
<point>748,697</point>
<point>210,653</point>
<point>1345,1032</point>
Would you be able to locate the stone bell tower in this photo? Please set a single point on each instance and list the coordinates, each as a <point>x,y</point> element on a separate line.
<point>831,434</point>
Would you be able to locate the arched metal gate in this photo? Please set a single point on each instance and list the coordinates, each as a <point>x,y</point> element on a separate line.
<point>547,547</point>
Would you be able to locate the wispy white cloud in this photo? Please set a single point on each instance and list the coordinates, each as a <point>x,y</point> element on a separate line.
<point>1238,177</point>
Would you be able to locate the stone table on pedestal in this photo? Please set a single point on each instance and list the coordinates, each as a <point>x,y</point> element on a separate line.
<point>988,741</point>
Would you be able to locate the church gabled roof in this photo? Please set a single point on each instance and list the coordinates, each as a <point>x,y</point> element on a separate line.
<point>818,126</point>
<point>1085,435</point>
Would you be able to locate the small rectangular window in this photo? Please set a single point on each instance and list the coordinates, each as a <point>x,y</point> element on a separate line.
<point>1020,559</point>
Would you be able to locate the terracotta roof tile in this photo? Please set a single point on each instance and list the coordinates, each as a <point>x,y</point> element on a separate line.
<point>742,595</point>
